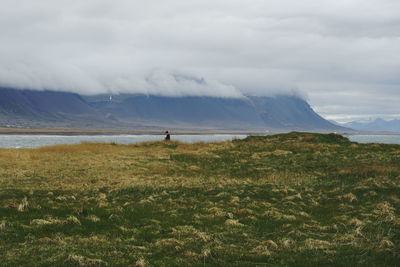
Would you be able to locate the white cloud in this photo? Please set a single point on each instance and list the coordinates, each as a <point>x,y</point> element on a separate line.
<point>341,53</point>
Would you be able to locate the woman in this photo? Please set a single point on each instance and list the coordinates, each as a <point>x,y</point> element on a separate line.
<point>168,136</point>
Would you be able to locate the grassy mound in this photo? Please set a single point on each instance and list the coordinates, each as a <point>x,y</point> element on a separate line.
<point>289,199</point>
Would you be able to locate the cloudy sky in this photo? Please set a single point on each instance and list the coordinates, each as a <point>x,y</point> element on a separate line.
<point>342,55</point>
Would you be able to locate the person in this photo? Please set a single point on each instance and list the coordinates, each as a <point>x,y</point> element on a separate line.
<point>168,136</point>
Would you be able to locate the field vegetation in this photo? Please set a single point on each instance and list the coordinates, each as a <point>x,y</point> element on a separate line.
<point>291,199</point>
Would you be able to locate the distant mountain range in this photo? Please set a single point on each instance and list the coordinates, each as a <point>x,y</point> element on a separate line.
<point>375,125</point>
<point>28,108</point>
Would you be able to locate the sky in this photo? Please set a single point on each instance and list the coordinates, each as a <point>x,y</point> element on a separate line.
<point>342,56</point>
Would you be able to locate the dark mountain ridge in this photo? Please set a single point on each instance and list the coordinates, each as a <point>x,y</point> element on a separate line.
<point>290,112</point>
<point>28,108</point>
<point>33,103</point>
<point>195,111</point>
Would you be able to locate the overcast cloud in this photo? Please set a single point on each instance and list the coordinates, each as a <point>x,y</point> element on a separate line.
<point>344,55</point>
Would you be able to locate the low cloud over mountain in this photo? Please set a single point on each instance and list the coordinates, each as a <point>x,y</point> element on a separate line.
<point>342,54</point>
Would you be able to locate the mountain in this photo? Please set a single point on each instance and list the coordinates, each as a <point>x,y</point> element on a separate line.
<point>190,112</point>
<point>290,112</point>
<point>27,108</point>
<point>375,125</point>
<point>335,122</point>
<point>253,112</point>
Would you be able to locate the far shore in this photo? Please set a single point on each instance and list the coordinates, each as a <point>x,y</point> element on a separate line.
<point>77,131</point>
<point>61,131</point>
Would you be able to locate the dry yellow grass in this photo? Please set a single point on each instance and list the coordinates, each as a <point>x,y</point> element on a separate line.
<point>304,199</point>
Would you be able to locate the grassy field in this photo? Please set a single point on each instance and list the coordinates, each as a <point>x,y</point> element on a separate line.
<point>291,199</point>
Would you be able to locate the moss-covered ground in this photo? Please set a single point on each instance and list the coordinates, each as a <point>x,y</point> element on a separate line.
<point>296,199</point>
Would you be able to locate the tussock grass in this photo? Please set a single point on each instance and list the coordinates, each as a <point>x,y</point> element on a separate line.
<point>288,199</point>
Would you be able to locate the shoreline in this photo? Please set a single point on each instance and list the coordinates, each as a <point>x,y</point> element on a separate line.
<point>72,132</point>
<point>77,131</point>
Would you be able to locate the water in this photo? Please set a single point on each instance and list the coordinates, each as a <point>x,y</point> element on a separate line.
<point>383,139</point>
<point>32,141</point>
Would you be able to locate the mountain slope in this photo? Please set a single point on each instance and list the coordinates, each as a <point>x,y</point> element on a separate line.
<point>263,113</point>
<point>290,112</point>
<point>28,108</point>
<point>42,103</point>
<point>195,111</point>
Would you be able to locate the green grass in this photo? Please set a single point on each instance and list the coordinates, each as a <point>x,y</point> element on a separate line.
<point>291,199</point>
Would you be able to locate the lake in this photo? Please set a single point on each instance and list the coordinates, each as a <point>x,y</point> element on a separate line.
<point>383,139</point>
<point>32,141</point>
